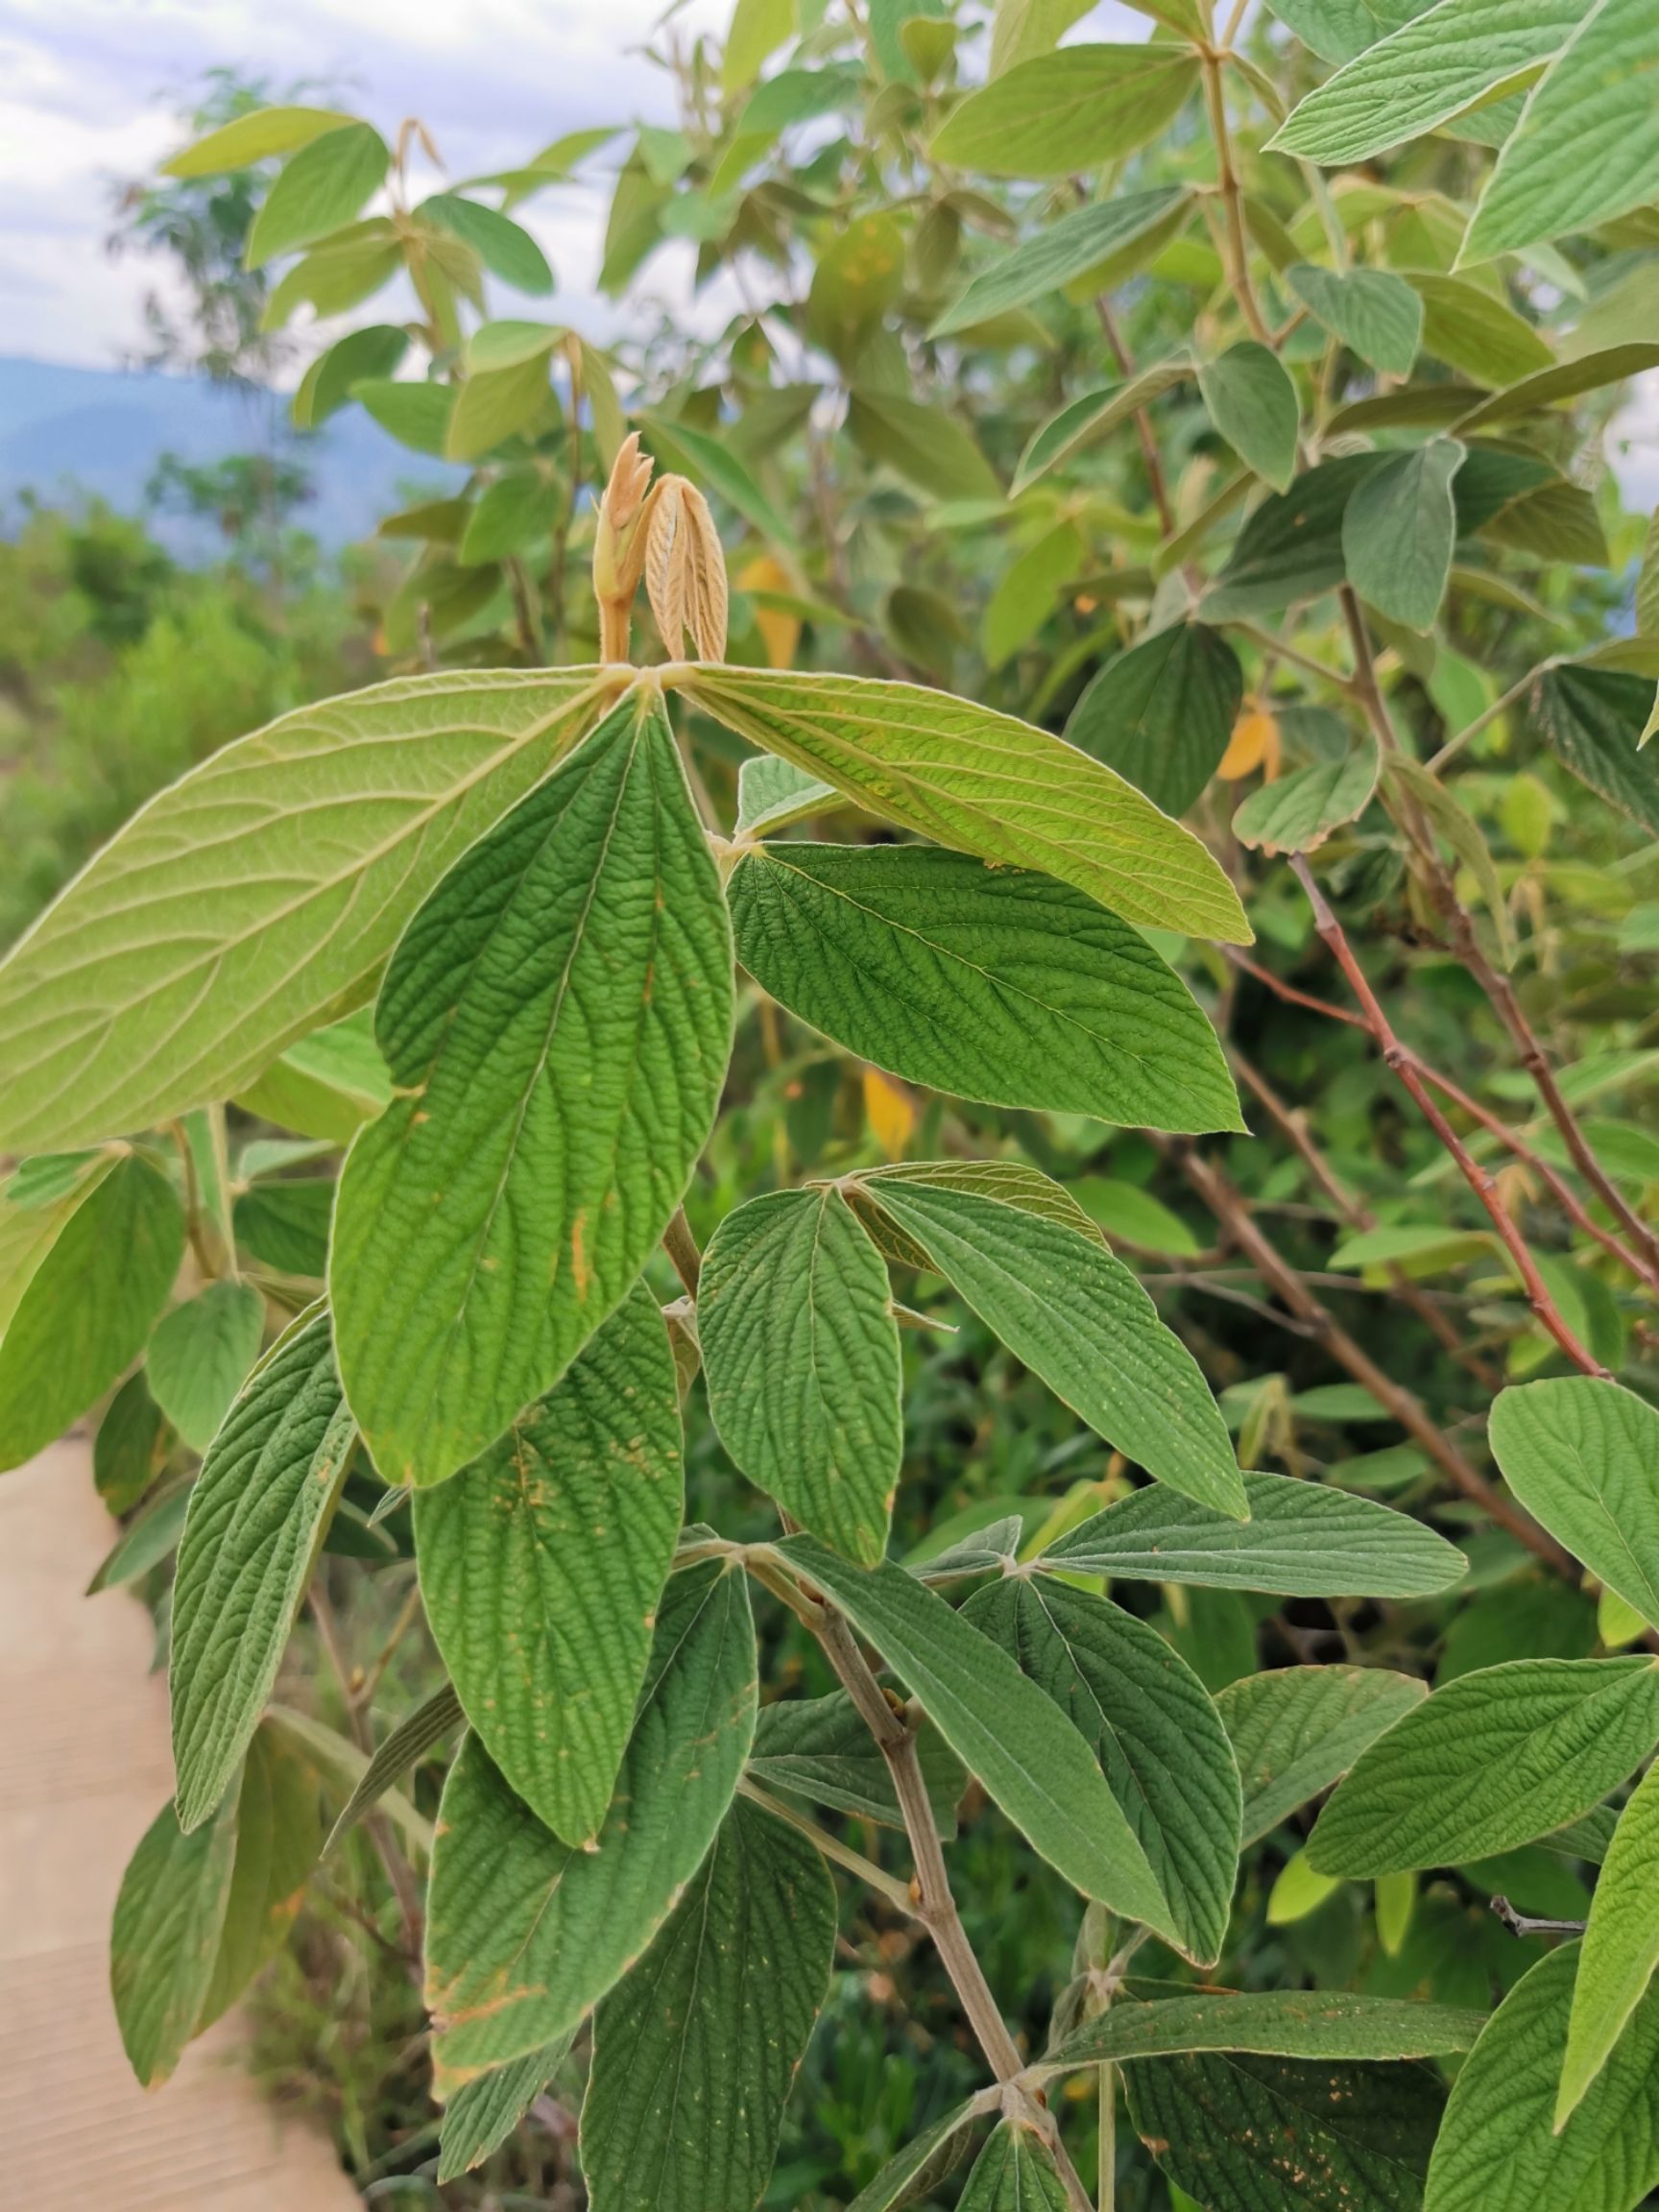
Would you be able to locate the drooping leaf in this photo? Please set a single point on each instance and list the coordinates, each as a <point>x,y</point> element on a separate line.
<point>1594,719</point>
<point>1015,2173</point>
<point>1253,404</point>
<point>1301,1540</point>
<point>1078,1318</point>
<point>819,1747</point>
<point>772,793</point>
<point>1292,546</point>
<point>1057,254</point>
<point>164,1940</point>
<point>898,2179</point>
<point>1582,1457</point>
<point>980,782</point>
<point>1082,421</point>
<point>1398,532</point>
<point>1151,1725</point>
<point>800,1352</point>
<point>1059,112</point>
<point>526,1935</point>
<point>694,2054</point>
<point>200,1354</point>
<point>416,1734</point>
<point>1374,313</point>
<point>246,1553</point>
<point>998,984</point>
<point>1620,1947</point>
<point>484,2111</point>
<point>130,1449</point>
<point>1160,712</point>
<point>323,186</point>
<point>1272,2023</point>
<point>279,1831</point>
<point>1298,813</point>
<point>1004,1729</point>
<point>261,895</point>
<point>1298,1729</point>
<point>1493,1760</point>
<point>543,1566</point>
<point>558,1018</point>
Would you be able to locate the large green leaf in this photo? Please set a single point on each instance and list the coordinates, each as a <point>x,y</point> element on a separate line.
<point>1078,1318</point>
<point>321,187</point>
<point>1253,404</point>
<point>1497,2151</point>
<point>278,1835</point>
<point>1373,313</point>
<point>1299,811</point>
<point>982,782</point>
<point>1292,546</point>
<point>993,983</point>
<point>693,2056</point>
<point>1161,713</point>
<point>1477,331</point>
<point>800,1355</point>
<point>1594,719</point>
<point>484,2111</point>
<point>1057,254</point>
<point>1398,532</point>
<point>820,1747</point>
<point>1582,1457</point>
<point>542,1565</point>
<point>1059,112</point>
<point>249,1534</point>
<point>1587,145</point>
<point>1015,2173</point>
<point>1001,1725</point>
<point>526,1935</point>
<point>261,895</point>
<point>1149,1722</point>
<point>1425,74</point>
<point>199,1357</point>
<point>87,1305</point>
<point>1298,1729</point>
<point>1301,1540</point>
<point>556,1019</point>
<point>1621,1946</point>
<point>1493,1760</point>
<point>164,1939</point>
<point>1273,2023</point>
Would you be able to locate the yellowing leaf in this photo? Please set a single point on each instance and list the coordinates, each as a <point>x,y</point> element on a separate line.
<point>889,1111</point>
<point>1254,744</point>
<point>780,631</point>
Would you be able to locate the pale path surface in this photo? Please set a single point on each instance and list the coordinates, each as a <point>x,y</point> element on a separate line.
<point>84,1767</point>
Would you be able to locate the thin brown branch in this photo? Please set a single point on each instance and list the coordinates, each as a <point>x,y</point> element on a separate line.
<point>1231,200</point>
<point>681,1247</point>
<point>1143,430</point>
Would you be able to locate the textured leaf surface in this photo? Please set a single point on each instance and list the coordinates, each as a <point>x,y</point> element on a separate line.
<point>1298,813</point>
<point>1057,254</point>
<point>801,1353</point>
<point>1091,415</point>
<point>1497,2151</point>
<point>694,2054</point>
<point>1493,1760</point>
<point>261,895</point>
<point>819,1747</point>
<point>1298,1729</point>
<point>1150,1723</point>
<point>1162,712</point>
<point>279,1832</point>
<point>418,1733</point>
<point>88,1305</point>
<point>1620,1947</point>
<point>893,2185</point>
<point>981,783</point>
<point>246,1552</point>
<point>1582,1457</point>
<point>164,1940</point>
<point>200,1354</point>
<point>1253,404</point>
<point>1004,1729</point>
<point>322,186</point>
<point>1300,1541</point>
<point>1274,2023</point>
<point>993,983</point>
<point>1398,532</point>
<point>526,1935</point>
<point>556,1019</point>
<point>482,2112</point>
<point>543,1564</point>
<point>1015,2173</point>
<point>1077,1317</point>
<point>1292,546</point>
<point>1374,313</point>
<point>1062,111</point>
<point>773,792</point>
<point>1595,719</point>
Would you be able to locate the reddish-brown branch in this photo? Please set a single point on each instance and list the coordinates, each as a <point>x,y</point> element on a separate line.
<point>1143,430</point>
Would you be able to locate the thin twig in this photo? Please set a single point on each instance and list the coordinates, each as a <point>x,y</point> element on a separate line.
<point>1529,1924</point>
<point>867,1872</point>
<point>681,1247</point>
<point>1231,200</point>
<point>1142,421</point>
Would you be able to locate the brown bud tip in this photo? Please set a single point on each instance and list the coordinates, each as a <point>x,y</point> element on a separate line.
<point>630,474</point>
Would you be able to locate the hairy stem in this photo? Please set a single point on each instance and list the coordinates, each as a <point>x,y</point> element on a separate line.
<point>1232,199</point>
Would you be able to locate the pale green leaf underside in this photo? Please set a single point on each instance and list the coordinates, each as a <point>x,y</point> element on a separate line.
<point>1252,402</point>
<point>164,1940</point>
<point>1015,2173</point>
<point>1057,254</point>
<point>800,1355</point>
<point>1298,813</point>
<point>199,1357</point>
<point>1582,1456</point>
<point>416,1734</point>
<point>1399,532</point>
<point>556,1020</point>
<point>543,1564</point>
<point>1298,1729</point>
<point>981,783</point>
<point>1620,1947</point>
<point>1374,312</point>
<point>484,2111</point>
<point>1059,112</point>
<point>992,984</point>
<point>1284,2024</point>
<point>261,895</point>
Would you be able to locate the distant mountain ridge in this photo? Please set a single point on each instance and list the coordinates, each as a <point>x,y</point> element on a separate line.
<point>101,431</point>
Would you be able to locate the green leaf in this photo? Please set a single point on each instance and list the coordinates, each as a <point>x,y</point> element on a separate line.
<point>1252,403</point>
<point>253,138</point>
<point>505,249</point>
<point>164,1939</point>
<point>36,1205</point>
<point>1161,713</point>
<point>1015,2173</point>
<point>1476,331</point>
<point>819,1747</point>
<point>1493,1760</point>
<point>1078,1318</point>
<point>772,793</point>
<point>1134,1217</point>
<point>1023,28</point>
<point>1337,30</point>
<point>893,2186</point>
<point>1426,72</point>
<point>694,2054</point>
<point>200,1354</point>
<point>1300,1541</point>
<point>801,1355</point>
<point>1273,2023</point>
<point>1587,146</point>
<point>1298,813</point>
<point>1003,1728</point>
<point>325,1085</point>
<point>255,1513</point>
<point>484,2111</point>
<point>323,186</point>
<point>1080,422</point>
<point>144,1543</point>
<point>286,1224</point>
<point>929,447</point>
<point>1621,1948</point>
<point>415,1735</point>
<point>1150,1723</point>
<point>1498,2150</point>
<point>261,896</point>
<point>556,1019</point>
<point>416,414</point>
<point>860,272</point>
<point>1028,593</point>
<point>1594,719</point>
<point>1240,2131</point>
<point>993,983</point>
<point>493,405</point>
<point>374,352</point>
<point>279,1831</point>
<point>511,514</point>
<point>1292,546</point>
<point>1051,258</point>
<point>980,782</point>
<point>1373,313</point>
<point>1582,1457</point>
<point>1058,113</point>
<point>525,1934</point>
<point>1298,1729</point>
<point>1398,532</point>
<point>543,1566</point>
<point>87,1305</point>
<point>350,266</point>
<point>130,1448</point>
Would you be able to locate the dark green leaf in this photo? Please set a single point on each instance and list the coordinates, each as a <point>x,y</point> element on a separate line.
<point>484,2111</point>
<point>200,1354</point>
<point>819,1747</point>
<point>1055,256</point>
<point>415,1735</point>
<point>1398,532</point>
<point>1374,313</point>
<point>1161,713</point>
<point>1292,546</point>
<point>164,1941</point>
<point>1253,404</point>
<point>1271,2023</point>
<point>1594,719</point>
<point>1015,2173</point>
